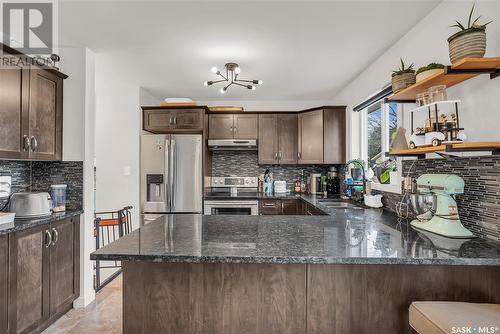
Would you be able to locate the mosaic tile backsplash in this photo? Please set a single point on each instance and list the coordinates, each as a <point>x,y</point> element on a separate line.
<point>479,206</point>
<point>39,175</point>
<point>245,163</point>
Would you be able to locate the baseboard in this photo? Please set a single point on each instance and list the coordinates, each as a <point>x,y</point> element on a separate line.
<point>84,301</point>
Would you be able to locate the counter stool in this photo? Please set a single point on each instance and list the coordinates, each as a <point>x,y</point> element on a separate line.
<point>442,317</point>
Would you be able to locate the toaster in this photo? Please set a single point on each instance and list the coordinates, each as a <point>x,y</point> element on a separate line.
<point>30,204</point>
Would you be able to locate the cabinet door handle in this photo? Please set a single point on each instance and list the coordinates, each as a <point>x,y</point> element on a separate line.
<point>269,204</point>
<point>299,155</point>
<point>33,143</point>
<point>280,155</point>
<point>235,129</point>
<point>48,239</point>
<point>54,236</point>
<point>26,143</point>
<point>275,155</point>
<point>175,119</point>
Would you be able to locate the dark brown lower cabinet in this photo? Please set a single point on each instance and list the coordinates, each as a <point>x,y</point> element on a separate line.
<point>64,265</point>
<point>43,274</point>
<point>269,207</point>
<point>29,279</point>
<point>292,206</point>
<point>291,298</point>
<point>4,283</point>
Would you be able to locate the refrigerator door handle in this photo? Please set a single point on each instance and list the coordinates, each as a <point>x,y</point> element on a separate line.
<point>173,172</point>
<point>166,175</point>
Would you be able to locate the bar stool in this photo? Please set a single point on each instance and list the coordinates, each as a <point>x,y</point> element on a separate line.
<point>454,317</point>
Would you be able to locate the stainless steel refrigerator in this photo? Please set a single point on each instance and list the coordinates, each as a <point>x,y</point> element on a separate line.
<point>171,175</point>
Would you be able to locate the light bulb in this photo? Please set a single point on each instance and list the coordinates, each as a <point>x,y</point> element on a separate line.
<point>205,83</point>
<point>259,82</point>
<point>253,88</point>
<point>214,69</point>
<point>223,90</point>
<point>237,70</point>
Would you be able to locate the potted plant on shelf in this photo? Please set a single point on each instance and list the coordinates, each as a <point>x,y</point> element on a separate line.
<point>428,70</point>
<point>403,77</point>
<point>470,41</point>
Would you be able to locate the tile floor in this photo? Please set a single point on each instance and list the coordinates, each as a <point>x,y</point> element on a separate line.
<point>104,316</point>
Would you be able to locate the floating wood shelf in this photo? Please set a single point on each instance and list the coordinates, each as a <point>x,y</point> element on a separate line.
<point>493,146</point>
<point>463,70</point>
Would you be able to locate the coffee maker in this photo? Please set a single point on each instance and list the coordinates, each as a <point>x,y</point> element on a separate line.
<point>333,183</point>
<point>314,183</point>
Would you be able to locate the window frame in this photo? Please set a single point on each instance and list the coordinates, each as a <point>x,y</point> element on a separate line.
<point>363,130</point>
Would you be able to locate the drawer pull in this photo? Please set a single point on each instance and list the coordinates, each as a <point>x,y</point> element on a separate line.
<point>55,236</point>
<point>48,239</point>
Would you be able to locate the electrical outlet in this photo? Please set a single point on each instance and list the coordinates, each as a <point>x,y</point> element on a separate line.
<point>5,186</point>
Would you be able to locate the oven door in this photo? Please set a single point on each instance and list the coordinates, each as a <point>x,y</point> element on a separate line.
<point>231,208</point>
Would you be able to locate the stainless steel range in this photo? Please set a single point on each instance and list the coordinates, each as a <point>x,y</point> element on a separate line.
<point>232,196</point>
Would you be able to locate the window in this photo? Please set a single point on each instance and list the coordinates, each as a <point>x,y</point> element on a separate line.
<point>379,128</point>
<point>379,124</point>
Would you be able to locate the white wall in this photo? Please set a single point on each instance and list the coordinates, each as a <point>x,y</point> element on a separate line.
<point>78,145</point>
<point>425,43</point>
<point>118,124</point>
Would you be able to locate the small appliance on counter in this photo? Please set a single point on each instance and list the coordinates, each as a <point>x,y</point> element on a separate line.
<point>333,183</point>
<point>314,183</point>
<point>58,194</point>
<point>280,187</point>
<point>30,204</point>
<point>442,217</point>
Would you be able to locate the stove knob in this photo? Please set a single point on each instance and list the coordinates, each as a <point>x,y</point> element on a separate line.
<point>246,181</point>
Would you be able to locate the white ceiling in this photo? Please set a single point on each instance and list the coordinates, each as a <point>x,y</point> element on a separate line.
<point>301,50</point>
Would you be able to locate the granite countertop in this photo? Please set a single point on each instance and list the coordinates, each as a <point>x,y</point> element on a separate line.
<point>23,224</point>
<point>345,236</point>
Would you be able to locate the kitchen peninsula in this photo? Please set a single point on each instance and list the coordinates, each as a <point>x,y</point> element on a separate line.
<point>354,270</point>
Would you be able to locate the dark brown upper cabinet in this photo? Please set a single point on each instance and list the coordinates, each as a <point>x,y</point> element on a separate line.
<point>14,95</point>
<point>31,109</point>
<point>168,120</point>
<point>45,116</point>
<point>233,126</point>
<point>334,147</point>
<point>310,137</point>
<point>245,126</point>
<point>321,136</point>
<point>220,126</point>
<point>278,139</point>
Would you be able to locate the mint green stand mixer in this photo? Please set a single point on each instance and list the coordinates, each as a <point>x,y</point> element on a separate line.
<point>444,220</point>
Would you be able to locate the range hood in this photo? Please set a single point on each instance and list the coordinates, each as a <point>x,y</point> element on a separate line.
<point>232,144</point>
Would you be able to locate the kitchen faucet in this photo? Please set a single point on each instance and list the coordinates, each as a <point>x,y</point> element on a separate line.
<point>357,162</point>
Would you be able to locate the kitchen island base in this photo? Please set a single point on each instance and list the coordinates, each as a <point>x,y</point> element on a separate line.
<point>163,297</point>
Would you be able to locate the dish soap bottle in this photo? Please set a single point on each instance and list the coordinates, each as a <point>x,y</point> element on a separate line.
<point>297,187</point>
<point>302,182</point>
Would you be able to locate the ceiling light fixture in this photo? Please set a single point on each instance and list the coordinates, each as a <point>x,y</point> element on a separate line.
<point>231,77</point>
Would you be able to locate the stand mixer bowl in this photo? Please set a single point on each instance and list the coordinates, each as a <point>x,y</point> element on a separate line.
<point>422,204</point>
